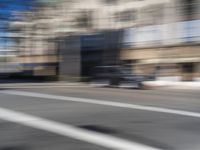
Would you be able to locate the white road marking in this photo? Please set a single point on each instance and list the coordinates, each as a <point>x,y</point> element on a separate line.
<point>41,87</point>
<point>106,103</point>
<point>38,86</point>
<point>71,131</point>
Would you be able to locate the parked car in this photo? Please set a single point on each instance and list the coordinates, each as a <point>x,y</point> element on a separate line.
<point>117,76</point>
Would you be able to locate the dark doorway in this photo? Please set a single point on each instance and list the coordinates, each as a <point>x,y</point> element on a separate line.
<point>188,70</point>
<point>188,67</point>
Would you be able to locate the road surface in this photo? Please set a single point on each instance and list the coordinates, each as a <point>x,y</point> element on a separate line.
<point>86,118</point>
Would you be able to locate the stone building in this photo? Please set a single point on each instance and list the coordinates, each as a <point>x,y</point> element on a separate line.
<point>166,42</point>
<point>40,32</point>
<point>159,36</point>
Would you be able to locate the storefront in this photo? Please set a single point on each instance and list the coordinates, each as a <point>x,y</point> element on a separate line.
<point>175,63</point>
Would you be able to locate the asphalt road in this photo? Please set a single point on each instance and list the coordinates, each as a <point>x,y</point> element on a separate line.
<point>87,118</point>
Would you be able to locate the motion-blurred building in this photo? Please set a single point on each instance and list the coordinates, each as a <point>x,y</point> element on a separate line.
<point>165,40</point>
<point>58,32</point>
<point>34,42</point>
<point>70,37</point>
<point>8,56</point>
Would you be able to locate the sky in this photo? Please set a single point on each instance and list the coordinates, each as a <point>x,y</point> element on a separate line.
<point>8,6</point>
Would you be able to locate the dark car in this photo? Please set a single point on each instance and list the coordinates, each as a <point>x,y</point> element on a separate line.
<point>118,76</point>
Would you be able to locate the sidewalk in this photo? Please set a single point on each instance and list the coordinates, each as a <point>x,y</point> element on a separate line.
<point>173,84</point>
<point>40,84</point>
<point>147,84</point>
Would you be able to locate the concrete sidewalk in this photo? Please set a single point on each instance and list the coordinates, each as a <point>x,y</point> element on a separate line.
<point>173,84</point>
<point>147,84</point>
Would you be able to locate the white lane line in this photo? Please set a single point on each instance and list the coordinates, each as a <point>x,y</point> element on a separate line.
<point>71,131</point>
<point>103,102</point>
<point>42,86</point>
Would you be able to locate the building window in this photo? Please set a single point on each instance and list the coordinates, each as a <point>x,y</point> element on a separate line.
<point>151,15</point>
<point>188,68</point>
<point>189,9</point>
<point>84,20</point>
<point>110,2</point>
<point>126,16</point>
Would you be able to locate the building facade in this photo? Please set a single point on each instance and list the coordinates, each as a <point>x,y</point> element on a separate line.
<point>170,48</point>
<point>158,36</point>
<point>40,32</point>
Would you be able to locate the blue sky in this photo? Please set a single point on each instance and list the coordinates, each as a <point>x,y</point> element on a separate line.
<point>8,6</point>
